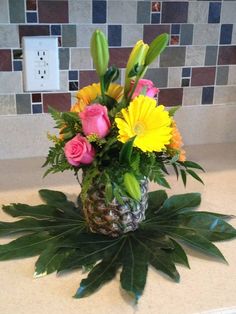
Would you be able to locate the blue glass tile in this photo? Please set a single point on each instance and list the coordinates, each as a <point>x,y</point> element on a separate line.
<point>73,86</point>
<point>55,29</point>
<point>175,29</point>
<point>114,35</point>
<point>226,33</point>
<point>214,12</point>
<point>37,108</point>
<point>207,95</point>
<point>17,65</point>
<point>73,75</point>
<point>31,17</point>
<point>156,18</point>
<point>186,72</point>
<point>99,11</point>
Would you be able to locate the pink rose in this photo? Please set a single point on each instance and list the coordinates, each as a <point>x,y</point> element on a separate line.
<point>145,85</point>
<point>95,120</point>
<point>79,151</point>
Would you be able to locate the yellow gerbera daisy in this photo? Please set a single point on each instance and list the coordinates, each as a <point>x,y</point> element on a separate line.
<point>89,93</point>
<point>148,122</point>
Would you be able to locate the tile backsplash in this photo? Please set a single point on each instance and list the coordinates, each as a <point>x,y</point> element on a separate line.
<point>198,67</point>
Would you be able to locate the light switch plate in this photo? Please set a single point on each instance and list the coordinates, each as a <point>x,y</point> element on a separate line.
<point>40,63</point>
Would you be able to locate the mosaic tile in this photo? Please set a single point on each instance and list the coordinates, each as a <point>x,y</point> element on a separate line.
<point>31,17</point>
<point>172,13</point>
<point>155,18</point>
<point>87,78</point>
<point>151,31</point>
<point>17,65</point>
<point>37,108</point>
<point>119,56</point>
<point>175,29</point>
<point>206,34</point>
<point>156,6</point>
<point>174,77</point>
<point>63,81</point>
<point>222,74</point>
<point>114,35</point>
<point>4,12</point>
<point>7,104</point>
<point>225,95</point>
<point>186,34</point>
<point>31,5</point>
<point>53,11</point>
<point>158,76</point>
<point>192,96</point>
<point>36,97</point>
<point>211,55</point>
<point>226,34</point>
<point>174,40</point>
<point>227,55</point>
<point>10,82</point>
<point>5,60</point>
<point>207,95</point>
<point>203,76</point>
<point>23,104</point>
<point>17,54</point>
<point>186,72</point>
<point>99,11</point>
<point>195,55</point>
<point>131,34</point>
<point>64,58</point>
<point>171,96</point>
<point>59,101</point>
<point>80,11</point>
<point>80,59</point>
<point>73,86</point>
<point>198,12</point>
<point>9,36</point>
<point>33,30</point>
<point>122,12</point>
<point>73,75</point>
<point>69,35</point>
<point>228,12</point>
<point>17,11</point>
<point>214,12</point>
<point>143,12</point>
<point>232,75</point>
<point>173,57</point>
<point>84,33</point>
<point>185,82</point>
<point>55,29</point>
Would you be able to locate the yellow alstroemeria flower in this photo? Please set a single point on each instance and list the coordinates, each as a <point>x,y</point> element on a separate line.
<point>151,124</point>
<point>176,141</point>
<point>88,94</point>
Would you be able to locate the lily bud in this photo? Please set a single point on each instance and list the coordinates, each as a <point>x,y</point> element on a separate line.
<point>99,52</point>
<point>132,186</point>
<point>156,47</point>
<point>137,57</point>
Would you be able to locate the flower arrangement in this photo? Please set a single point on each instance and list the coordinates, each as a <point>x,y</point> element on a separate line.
<point>116,139</point>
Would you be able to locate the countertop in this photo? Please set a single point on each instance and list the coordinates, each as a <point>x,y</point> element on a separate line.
<point>208,285</point>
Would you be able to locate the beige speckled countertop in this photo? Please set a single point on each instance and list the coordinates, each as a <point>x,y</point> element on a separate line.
<point>208,285</point>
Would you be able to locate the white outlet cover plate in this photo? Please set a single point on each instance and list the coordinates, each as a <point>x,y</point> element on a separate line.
<point>40,63</point>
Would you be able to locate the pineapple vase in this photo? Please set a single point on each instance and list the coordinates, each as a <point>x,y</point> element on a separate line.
<point>113,218</point>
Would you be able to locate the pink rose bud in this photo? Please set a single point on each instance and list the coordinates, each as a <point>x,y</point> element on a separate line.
<point>79,151</point>
<point>95,120</point>
<point>145,85</point>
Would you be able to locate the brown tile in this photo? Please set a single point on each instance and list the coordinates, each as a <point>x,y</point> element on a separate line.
<point>5,60</point>
<point>31,5</point>
<point>59,101</point>
<point>174,12</point>
<point>119,56</point>
<point>227,55</point>
<point>174,40</point>
<point>203,76</point>
<point>53,11</point>
<point>152,31</point>
<point>33,30</point>
<point>87,78</point>
<point>170,97</point>
<point>156,6</point>
<point>36,97</point>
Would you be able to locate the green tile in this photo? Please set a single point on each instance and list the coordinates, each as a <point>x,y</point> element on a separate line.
<point>17,11</point>
<point>64,58</point>
<point>4,15</point>
<point>143,12</point>
<point>222,75</point>
<point>158,76</point>
<point>68,35</point>
<point>23,103</point>
<point>173,57</point>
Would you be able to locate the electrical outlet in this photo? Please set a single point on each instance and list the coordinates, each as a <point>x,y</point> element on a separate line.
<point>40,63</point>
